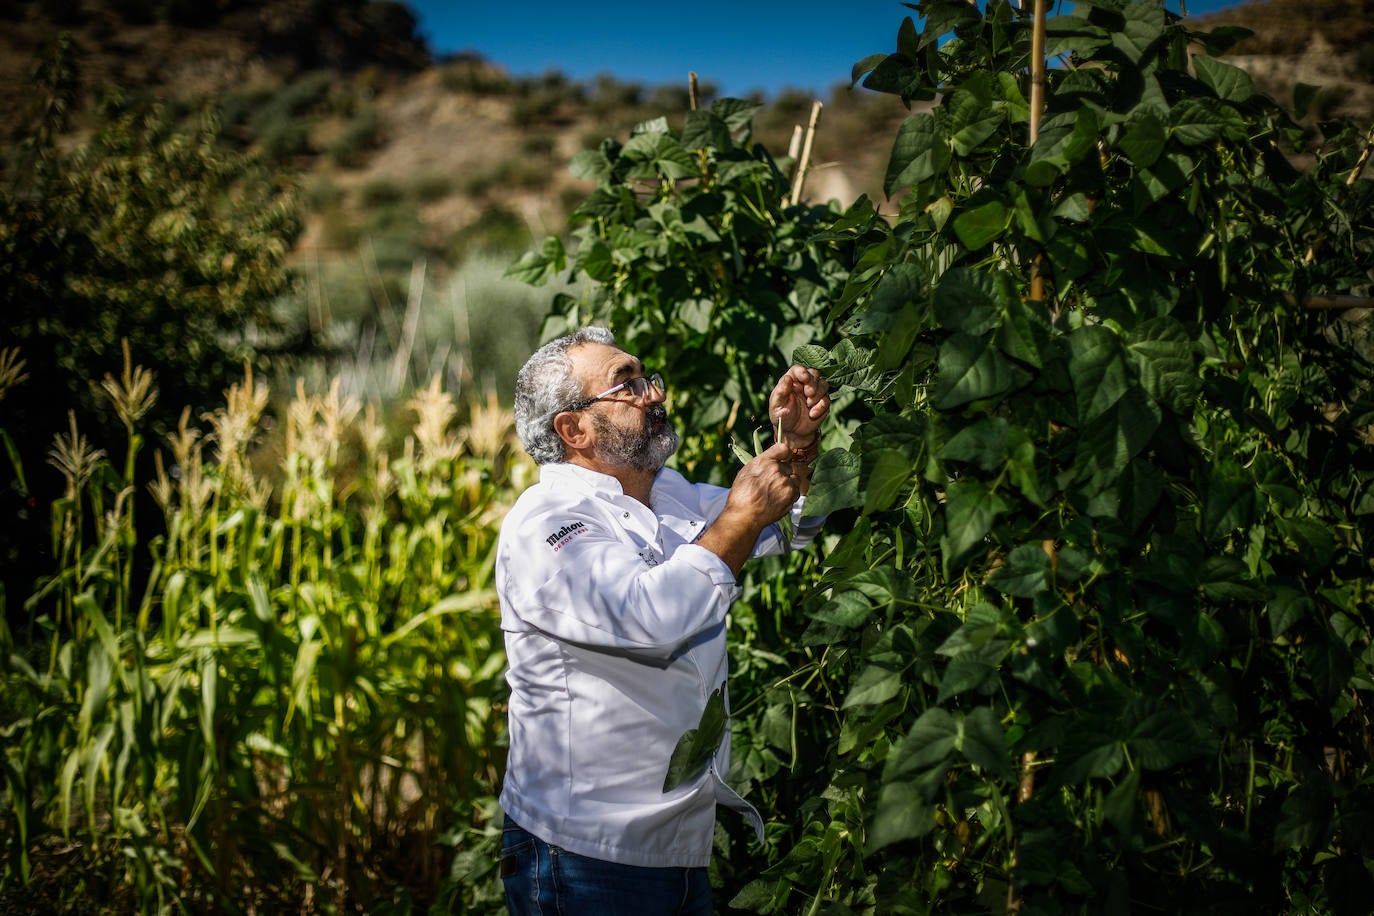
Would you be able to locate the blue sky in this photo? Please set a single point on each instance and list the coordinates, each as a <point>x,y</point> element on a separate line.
<point>739,45</point>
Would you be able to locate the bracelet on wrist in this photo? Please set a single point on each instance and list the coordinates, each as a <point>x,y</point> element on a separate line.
<point>807,453</point>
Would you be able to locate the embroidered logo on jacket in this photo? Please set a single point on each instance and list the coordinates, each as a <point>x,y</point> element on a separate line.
<point>565,534</point>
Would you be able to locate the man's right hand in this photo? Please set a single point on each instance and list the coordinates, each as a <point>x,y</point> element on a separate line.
<point>764,491</point>
<point>767,486</point>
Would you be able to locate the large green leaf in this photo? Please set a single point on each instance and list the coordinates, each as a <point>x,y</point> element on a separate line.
<point>834,483</point>
<point>902,813</point>
<point>1143,26</point>
<point>886,477</point>
<point>982,225</point>
<point>698,745</point>
<point>1143,140</point>
<point>1164,359</point>
<point>971,509</point>
<point>1228,81</point>
<point>984,444</point>
<point>973,115</point>
<point>972,369</point>
<point>705,130</point>
<point>971,301</point>
<point>1107,444</point>
<point>1230,502</point>
<point>919,152</point>
<point>877,683</point>
<point>1098,367</point>
<point>928,743</point>
<point>1025,572</point>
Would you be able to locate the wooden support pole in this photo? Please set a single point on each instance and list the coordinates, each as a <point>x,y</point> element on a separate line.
<point>692,98</point>
<point>805,160</point>
<point>1037,108</point>
<point>1331,302</point>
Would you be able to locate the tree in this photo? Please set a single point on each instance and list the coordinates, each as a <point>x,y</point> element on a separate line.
<point>146,233</point>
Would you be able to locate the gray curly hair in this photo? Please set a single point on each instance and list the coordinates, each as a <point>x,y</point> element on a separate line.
<point>545,386</point>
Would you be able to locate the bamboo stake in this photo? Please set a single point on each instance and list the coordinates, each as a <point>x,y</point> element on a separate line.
<point>692,97</point>
<point>1331,301</point>
<point>1037,108</point>
<point>1025,788</point>
<point>368,255</point>
<point>805,160</point>
<point>402,359</point>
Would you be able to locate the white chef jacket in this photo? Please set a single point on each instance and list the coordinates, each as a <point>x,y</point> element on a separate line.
<point>614,625</point>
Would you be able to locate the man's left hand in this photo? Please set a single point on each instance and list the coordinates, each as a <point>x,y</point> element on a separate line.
<point>798,404</point>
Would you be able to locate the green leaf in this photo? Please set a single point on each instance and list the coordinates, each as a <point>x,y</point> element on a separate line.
<point>928,744</point>
<point>902,813</point>
<point>834,483</point>
<point>971,509</point>
<point>736,113</point>
<point>1229,82</point>
<point>1165,739</point>
<point>1024,574</point>
<point>1230,503</point>
<point>972,300</point>
<point>1196,121</point>
<point>1143,140</point>
<point>971,369</point>
<point>1164,359</point>
<point>698,745</point>
<point>538,267</point>
<point>981,225</point>
<point>1314,539</point>
<point>596,260</point>
<point>1099,371</point>
<point>891,471</point>
<point>1286,608</point>
<point>658,153</point>
<point>705,130</point>
<point>1090,751</point>
<point>973,670</point>
<point>919,152</point>
<point>983,741</point>
<point>1107,444</point>
<point>590,165</point>
<point>983,444</point>
<point>1025,331</point>
<point>1121,805</point>
<point>1144,25</point>
<point>876,684</point>
<point>973,115</point>
<point>848,609</point>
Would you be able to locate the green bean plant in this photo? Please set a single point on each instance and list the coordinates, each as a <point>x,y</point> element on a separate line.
<point>299,709</point>
<point>1091,628</point>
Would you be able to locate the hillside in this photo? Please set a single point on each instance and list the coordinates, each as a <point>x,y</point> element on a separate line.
<point>403,158</point>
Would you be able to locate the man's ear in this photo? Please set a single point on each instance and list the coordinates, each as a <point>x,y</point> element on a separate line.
<point>570,429</point>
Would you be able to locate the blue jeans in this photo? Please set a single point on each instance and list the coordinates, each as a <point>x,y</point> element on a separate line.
<point>545,880</point>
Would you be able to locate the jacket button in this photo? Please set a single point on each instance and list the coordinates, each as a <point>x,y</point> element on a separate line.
<point>627,515</point>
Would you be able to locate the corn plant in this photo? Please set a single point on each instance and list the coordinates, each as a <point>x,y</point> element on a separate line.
<point>298,705</point>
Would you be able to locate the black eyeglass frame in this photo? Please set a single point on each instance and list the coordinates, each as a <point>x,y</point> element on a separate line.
<point>640,382</point>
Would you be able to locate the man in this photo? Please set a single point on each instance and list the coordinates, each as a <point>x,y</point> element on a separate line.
<point>615,575</point>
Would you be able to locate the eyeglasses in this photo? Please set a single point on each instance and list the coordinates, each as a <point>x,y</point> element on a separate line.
<point>638,388</point>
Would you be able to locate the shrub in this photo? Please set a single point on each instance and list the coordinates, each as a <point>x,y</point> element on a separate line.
<point>361,135</point>
<point>382,192</point>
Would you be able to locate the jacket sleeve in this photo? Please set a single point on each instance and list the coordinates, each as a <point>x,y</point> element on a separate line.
<point>593,588</point>
<point>771,542</point>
